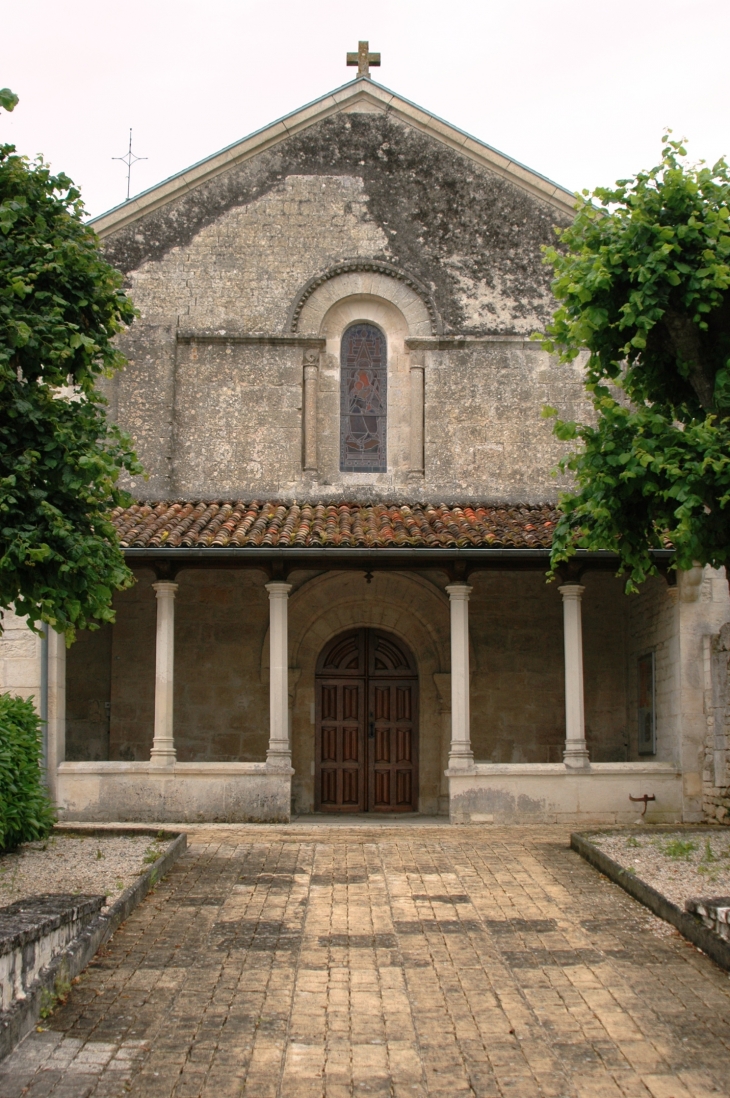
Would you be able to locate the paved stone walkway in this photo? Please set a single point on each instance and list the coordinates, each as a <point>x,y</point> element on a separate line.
<point>410,961</point>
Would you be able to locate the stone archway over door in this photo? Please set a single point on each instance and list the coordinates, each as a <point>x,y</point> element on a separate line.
<point>366,750</point>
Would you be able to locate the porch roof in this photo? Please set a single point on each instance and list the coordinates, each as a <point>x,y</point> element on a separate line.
<point>230,524</point>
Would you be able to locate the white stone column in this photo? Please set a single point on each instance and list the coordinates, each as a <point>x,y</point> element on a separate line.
<point>279,753</point>
<point>576,751</point>
<point>309,411</point>
<point>55,708</point>
<point>163,746</point>
<point>417,406</point>
<point>461,756</point>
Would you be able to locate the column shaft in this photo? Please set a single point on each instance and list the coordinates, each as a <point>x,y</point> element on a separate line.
<point>461,755</point>
<point>56,707</point>
<point>309,414</point>
<point>163,746</point>
<point>576,751</point>
<point>279,753</point>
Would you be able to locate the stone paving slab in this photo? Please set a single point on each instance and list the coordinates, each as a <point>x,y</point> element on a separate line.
<point>412,961</point>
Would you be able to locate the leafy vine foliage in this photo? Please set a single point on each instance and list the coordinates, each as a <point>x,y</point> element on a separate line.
<point>61,305</point>
<point>642,278</point>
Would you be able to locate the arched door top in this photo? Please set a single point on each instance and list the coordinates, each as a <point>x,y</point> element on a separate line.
<point>385,655</point>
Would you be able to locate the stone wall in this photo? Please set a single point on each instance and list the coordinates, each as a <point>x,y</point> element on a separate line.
<point>351,185</point>
<point>236,256</point>
<point>518,678</point>
<point>716,768</point>
<point>88,704</point>
<point>485,435</point>
<point>20,659</point>
<point>653,627</point>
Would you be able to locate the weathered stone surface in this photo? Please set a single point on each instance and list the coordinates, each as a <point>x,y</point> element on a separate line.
<point>394,192</point>
<point>714,912</point>
<point>236,254</point>
<point>32,932</point>
<point>186,792</point>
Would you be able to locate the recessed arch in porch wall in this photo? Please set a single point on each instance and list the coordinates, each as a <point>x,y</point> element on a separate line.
<point>400,603</point>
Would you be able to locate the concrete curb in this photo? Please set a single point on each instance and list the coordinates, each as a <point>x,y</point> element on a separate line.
<point>23,1015</point>
<point>691,928</point>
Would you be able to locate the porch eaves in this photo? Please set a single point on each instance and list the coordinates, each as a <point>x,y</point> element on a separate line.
<point>273,535</point>
<point>350,524</point>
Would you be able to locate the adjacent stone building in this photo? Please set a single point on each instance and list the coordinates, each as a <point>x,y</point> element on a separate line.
<point>342,542</point>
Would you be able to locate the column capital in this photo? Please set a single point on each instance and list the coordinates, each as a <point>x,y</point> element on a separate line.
<point>278,589</point>
<point>459,592</point>
<point>571,590</point>
<point>165,588</point>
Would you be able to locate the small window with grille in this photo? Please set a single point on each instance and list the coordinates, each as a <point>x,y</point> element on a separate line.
<point>363,400</point>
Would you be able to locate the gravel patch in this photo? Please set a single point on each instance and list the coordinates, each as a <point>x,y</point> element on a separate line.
<point>679,864</point>
<point>71,862</point>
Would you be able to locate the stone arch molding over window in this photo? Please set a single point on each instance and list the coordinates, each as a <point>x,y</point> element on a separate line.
<point>367,299</point>
<point>371,277</point>
<point>365,341</point>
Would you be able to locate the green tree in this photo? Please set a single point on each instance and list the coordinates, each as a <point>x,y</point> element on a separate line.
<point>61,305</point>
<point>642,278</point>
<point>8,99</point>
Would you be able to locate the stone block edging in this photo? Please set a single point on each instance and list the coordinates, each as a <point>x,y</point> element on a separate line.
<point>688,926</point>
<point>23,1015</point>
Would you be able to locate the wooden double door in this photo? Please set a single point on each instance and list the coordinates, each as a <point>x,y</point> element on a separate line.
<point>366,749</point>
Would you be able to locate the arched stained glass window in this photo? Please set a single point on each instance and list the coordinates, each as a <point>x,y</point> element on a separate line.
<point>363,400</point>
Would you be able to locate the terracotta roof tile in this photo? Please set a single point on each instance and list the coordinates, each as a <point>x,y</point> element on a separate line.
<point>241,524</point>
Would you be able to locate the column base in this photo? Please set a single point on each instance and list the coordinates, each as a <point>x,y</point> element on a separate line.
<point>279,760</point>
<point>576,757</point>
<point>463,761</point>
<point>160,761</point>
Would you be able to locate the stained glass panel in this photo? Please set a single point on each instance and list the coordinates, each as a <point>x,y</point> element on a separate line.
<point>363,400</point>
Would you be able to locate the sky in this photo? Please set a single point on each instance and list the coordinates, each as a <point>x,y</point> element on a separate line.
<point>579,91</point>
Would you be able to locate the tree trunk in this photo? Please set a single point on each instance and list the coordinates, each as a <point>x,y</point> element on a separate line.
<point>685,337</point>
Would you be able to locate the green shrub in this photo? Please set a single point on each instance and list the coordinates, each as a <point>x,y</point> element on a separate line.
<point>26,812</point>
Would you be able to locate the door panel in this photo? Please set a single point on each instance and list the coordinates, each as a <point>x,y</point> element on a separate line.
<point>366,759</point>
<point>340,743</point>
<point>391,739</point>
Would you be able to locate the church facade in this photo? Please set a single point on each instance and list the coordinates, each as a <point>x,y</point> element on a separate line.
<point>341,545</point>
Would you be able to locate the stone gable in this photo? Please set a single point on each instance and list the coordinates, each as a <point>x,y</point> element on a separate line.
<point>366,184</point>
<point>247,265</point>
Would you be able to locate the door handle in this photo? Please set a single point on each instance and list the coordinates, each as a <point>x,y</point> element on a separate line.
<point>371,730</point>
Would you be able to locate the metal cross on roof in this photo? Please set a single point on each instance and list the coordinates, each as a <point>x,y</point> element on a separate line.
<point>130,159</point>
<point>363,59</point>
